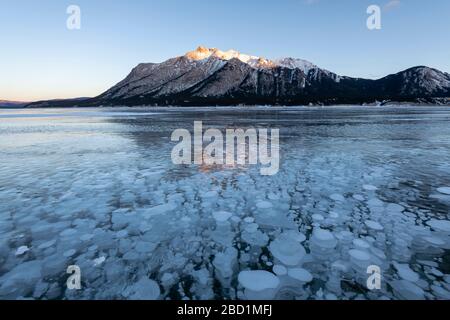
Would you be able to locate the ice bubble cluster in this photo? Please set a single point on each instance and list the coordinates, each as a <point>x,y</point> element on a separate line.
<point>287,250</point>
<point>300,274</point>
<point>139,227</point>
<point>144,289</point>
<point>258,284</point>
<point>444,190</point>
<point>222,216</point>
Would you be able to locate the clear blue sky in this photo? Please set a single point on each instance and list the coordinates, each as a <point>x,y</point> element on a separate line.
<point>41,59</point>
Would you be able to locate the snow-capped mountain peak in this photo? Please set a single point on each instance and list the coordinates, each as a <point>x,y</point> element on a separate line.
<point>292,63</point>
<point>202,53</point>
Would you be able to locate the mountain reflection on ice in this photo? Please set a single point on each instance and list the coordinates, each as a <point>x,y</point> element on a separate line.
<point>96,188</point>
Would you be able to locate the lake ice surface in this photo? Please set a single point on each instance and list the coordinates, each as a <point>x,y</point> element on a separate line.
<point>96,188</point>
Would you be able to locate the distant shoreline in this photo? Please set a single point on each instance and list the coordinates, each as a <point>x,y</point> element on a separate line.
<point>241,107</point>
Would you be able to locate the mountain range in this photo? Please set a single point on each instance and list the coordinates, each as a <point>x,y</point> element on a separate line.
<point>12,104</point>
<point>209,76</point>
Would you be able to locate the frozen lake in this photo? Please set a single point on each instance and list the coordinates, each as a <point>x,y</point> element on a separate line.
<point>96,188</point>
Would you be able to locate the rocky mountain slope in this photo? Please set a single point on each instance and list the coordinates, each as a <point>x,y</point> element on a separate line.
<point>214,77</point>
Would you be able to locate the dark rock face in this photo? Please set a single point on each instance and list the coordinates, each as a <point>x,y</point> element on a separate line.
<point>212,77</point>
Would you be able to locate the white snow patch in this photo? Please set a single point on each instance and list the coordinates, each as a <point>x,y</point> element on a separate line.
<point>21,250</point>
<point>369,187</point>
